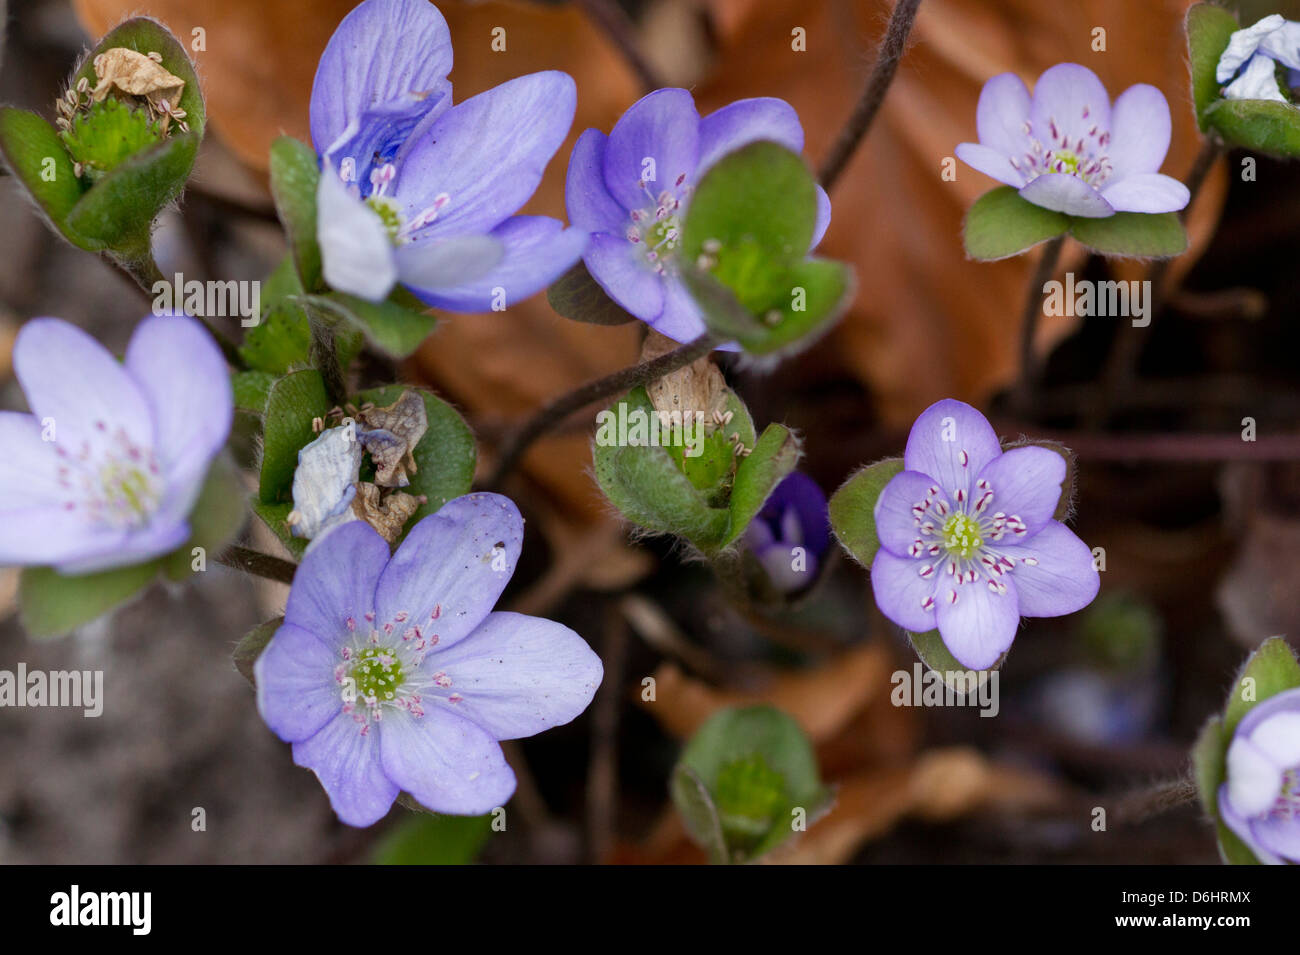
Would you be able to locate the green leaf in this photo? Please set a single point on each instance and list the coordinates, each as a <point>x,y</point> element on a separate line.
<point>773,457</point>
<point>929,646</point>
<point>1209,28</point>
<point>251,389</point>
<point>692,799</point>
<point>32,151</point>
<point>1263,126</point>
<point>294,178</point>
<point>853,509</point>
<point>293,403</point>
<point>1271,669</point>
<point>54,604</point>
<point>433,839</point>
<point>251,646</point>
<point>577,296</point>
<point>1133,234</point>
<point>445,457</point>
<point>276,518</point>
<point>1001,224</point>
<point>756,767</point>
<point>395,329</point>
<point>215,520</point>
<point>1209,767</point>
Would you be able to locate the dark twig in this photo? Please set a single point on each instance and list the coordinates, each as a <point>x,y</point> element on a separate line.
<point>888,55</point>
<point>602,772</point>
<point>620,29</point>
<point>258,564</point>
<point>1029,317</point>
<point>1142,805</point>
<point>625,379</point>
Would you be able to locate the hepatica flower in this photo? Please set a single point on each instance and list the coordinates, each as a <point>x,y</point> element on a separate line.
<point>791,533</point>
<point>1067,148</point>
<point>631,189</point>
<point>1260,801</point>
<point>1250,64</point>
<point>394,673</point>
<point>967,539</point>
<point>105,470</point>
<point>418,191</point>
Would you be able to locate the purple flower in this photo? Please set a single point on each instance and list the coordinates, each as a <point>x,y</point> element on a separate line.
<point>1068,149</point>
<point>1261,48</point>
<point>418,191</point>
<point>105,470</point>
<point>789,536</point>
<point>1260,801</point>
<point>394,673</point>
<point>630,189</point>
<point>967,539</point>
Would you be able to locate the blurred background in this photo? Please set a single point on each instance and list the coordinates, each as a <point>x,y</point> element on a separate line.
<point>1199,527</point>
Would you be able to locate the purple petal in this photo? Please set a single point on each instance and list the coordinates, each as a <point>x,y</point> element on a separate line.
<point>356,252</point>
<point>183,377</point>
<point>71,378</point>
<point>589,204</point>
<point>662,126</point>
<point>951,442</point>
<point>1278,834</point>
<point>347,763</point>
<point>681,318</point>
<point>799,499</point>
<point>51,535</point>
<point>1243,44</point>
<point>1025,482</point>
<point>384,68</point>
<point>781,564</point>
<point>1257,81</point>
<point>1242,828</point>
<point>747,121</point>
<point>536,251</point>
<point>29,468</point>
<point>1062,192</point>
<point>1287,701</point>
<point>1147,192</point>
<point>161,536</point>
<point>823,221</point>
<point>1001,115</point>
<point>989,161</point>
<point>900,591</point>
<point>1140,128</point>
<point>979,625</point>
<point>896,525</point>
<point>519,675</point>
<point>1070,99</point>
<point>619,267</point>
<point>1062,581</point>
<point>336,581</point>
<point>488,153</point>
<point>447,763</point>
<point>296,692</point>
<point>435,263</point>
<point>450,568</point>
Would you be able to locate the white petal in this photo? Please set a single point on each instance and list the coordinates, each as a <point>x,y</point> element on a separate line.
<point>356,253</point>
<point>1243,44</point>
<point>1254,780</point>
<point>1257,81</point>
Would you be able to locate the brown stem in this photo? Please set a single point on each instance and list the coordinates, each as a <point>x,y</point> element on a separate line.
<point>1139,806</point>
<point>621,31</point>
<point>258,564</point>
<point>557,410</point>
<point>602,771</point>
<point>1029,316</point>
<point>888,55</point>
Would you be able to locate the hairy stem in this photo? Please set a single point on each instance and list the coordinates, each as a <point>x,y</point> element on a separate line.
<point>1139,806</point>
<point>618,26</point>
<point>554,412</point>
<point>258,564</point>
<point>888,55</point>
<point>325,352</point>
<point>1029,316</point>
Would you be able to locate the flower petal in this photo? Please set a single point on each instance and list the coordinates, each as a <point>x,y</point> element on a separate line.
<point>296,691</point>
<point>447,763</point>
<point>896,525</point>
<point>1254,780</point>
<point>488,153</point>
<point>989,161</point>
<point>1243,44</point>
<point>69,377</point>
<point>336,581</point>
<point>356,252</point>
<point>1288,701</point>
<point>519,675</point>
<point>97,550</point>
<point>1278,738</point>
<point>662,126</point>
<point>1062,192</point>
<point>1147,192</point>
<point>347,763</point>
<point>1001,115</point>
<point>434,264</point>
<point>384,68</point>
<point>1071,99</point>
<point>979,625</point>
<point>951,442</point>
<point>681,318</point>
<point>588,202</point>
<point>1062,581</point>
<point>535,251</point>
<point>900,591</point>
<point>1139,128</point>
<point>1278,834</point>
<point>1025,482</point>
<point>53,535</point>
<point>1243,828</point>
<point>620,269</point>
<point>453,566</point>
<point>1283,44</point>
<point>823,220</point>
<point>29,468</point>
<point>1257,81</point>
<point>747,121</point>
<point>183,377</point>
